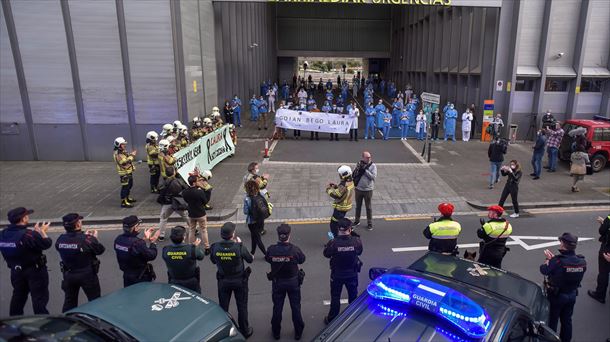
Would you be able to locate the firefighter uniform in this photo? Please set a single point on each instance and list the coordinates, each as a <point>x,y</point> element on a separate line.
<point>232,275</point>
<point>342,194</point>
<point>125,168</point>
<point>443,235</point>
<point>181,260</point>
<point>133,255</point>
<point>565,271</point>
<point>79,263</point>
<point>154,165</point>
<point>167,160</point>
<point>493,247</point>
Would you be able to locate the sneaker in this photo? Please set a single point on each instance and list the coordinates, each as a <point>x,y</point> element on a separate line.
<point>248,332</point>
<point>490,187</point>
<point>369,228</point>
<point>161,237</point>
<point>514,215</point>
<point>125,204</point>
<point>532,174</point>
<point>208,207</point>
<point>131,200</point>
<point>276,336</point>
<point>263,232</point>
<point>536,177</point>
<point>356,223</point>
<point>595,296</point>
<point>297,336</point>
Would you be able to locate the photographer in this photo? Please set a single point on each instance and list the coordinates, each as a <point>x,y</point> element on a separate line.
<point>513,172</point>
<point>172,187</point>
<point>364,179</point>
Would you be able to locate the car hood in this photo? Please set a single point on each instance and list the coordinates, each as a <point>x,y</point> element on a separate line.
<point>158,312</point>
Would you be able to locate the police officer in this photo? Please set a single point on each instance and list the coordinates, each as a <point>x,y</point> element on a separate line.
<point>133,254</point>
<point>22,249</point>
<point>494,233</point>
<point>229,255</point>
<point>284,258</point>
<point>343,252</point>
<point>443,233</point>
<point>153,160</point>
<point>604,265</point>
<point>125,168</point>
<point>342,195</point>
<point>79,264</point>
<point>565,272</point>
<point>181,260</point>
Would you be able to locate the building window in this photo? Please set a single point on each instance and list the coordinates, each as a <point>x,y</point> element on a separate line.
<point>555,85</point>
<point>593,85</point>
<point>524,84</point>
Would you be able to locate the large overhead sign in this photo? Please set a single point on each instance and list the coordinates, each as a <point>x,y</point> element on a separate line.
<point>376,2</point>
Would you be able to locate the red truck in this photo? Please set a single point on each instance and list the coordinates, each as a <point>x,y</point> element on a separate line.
<point>598,134</point>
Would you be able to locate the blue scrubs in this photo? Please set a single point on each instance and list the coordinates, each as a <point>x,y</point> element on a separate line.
<point>449,126</point>
<point>236,104</point>
<point>253,109</point>
<point>370,122</point>
<point>396,113</point>
<point>380,109</point>
<point>387,123</point>
<point>404,123</point>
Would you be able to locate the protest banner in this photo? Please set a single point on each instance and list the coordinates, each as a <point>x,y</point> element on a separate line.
<point>205,153</point>
<point>313,121</point>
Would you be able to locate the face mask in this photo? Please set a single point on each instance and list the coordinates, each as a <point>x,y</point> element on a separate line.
<point>513,167</point>
<point>256,171</point>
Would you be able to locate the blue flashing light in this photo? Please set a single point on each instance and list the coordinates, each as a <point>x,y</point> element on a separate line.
<point>440,300</point>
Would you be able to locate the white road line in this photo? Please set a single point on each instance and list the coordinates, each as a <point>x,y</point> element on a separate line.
<point>272,147</point>
<point>417,155</point>
<point>342,301</point>
<point>276,162</point>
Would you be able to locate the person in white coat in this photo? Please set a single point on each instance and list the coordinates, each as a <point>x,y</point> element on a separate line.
<point>466,125</point>
<point>302,95</point>
<point>353,112</point>
<point>271,99</point>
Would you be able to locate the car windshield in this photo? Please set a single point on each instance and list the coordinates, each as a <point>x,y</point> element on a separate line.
<point>501,282</point>
<point>48,329</point>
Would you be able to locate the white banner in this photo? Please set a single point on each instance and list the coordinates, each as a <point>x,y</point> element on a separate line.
<point>313,121</point>
<point>431,98</point>
<point>205,153</point>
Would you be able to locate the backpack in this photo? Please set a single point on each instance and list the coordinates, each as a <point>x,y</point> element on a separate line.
<point>260,208</point>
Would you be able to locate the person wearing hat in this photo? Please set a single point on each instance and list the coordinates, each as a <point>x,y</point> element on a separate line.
<point>343,252</point>
<point>564,273</point>
<point>494,233</point>
<point>79,264</point>
<point>125,168</point>
<point>342,194</point>
<point>22,249</point>
<point>133,254</point>
<point>229,255</point>
<point>181,260</point>
<point>284,258</point>
<point>599,294</point>
<point>443,233</point>
<point>196,198</point>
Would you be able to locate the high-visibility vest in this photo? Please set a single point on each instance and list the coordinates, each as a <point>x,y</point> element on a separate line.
<point>445,229</point>
<point>124,163</point>
<point>494,229</point>
<point>343,196</point>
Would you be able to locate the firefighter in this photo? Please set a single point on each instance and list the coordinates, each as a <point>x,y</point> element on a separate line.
<point>166,158</point>
<point>154,163</point>
<point>125,168</point>
<point>342,193</point>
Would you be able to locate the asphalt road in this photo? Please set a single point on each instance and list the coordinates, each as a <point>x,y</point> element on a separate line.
<point>590,318</point>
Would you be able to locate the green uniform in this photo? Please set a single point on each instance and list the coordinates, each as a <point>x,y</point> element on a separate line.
<point>181,261</point>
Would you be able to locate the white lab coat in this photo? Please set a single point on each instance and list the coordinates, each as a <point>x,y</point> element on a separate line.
<point>354,112</point>
<point>466,126</point>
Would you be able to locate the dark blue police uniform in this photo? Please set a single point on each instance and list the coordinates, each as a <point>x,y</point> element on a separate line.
<point>565,272</point>
<point>343,252</point>
<point>79,265</point>
<point>22,249</point>
<point>284,258</point>
<point>133,256</point>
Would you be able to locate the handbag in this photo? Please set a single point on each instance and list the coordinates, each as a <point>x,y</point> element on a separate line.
<point>179,204</point>
<point>589,169</point>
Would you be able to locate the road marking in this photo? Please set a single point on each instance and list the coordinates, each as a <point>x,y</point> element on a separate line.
<point>307,222</point>
<point>417,155</point>
<point>290,163</point>
<point>566,210</point>
<point>516,241</point>
<point>272,147</point>
<point>342,301</point>
<point>408,218</point>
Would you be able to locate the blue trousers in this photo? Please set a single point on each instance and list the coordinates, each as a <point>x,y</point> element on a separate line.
<point>404,130</point>
<point>253,115</point>
<point>494,169</point>
<point>452,135</point>
<point>386,132</point>
<point>395,118</point>
<point>552,152</point>
<point>422,135</point>
<point>237,117</point>
<point>561,309</point>
<point>370,127</point>
<point>537,162</point>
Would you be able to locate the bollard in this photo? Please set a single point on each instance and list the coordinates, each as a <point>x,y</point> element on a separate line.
<point>266,149</point>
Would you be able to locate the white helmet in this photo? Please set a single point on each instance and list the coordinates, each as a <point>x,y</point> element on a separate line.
<point>170,139</point>
<point>207,174</point>
<point>231,126</point>
<point>207,121</point>
<point>196,119</point>
<point>167,127</point>
<point>215,114</point>
<point>215,110</point>
<point>177,123</point>
<point>152,135</point>
<point>119,141</point>
<point>164,145</point>
<point>344,171</point>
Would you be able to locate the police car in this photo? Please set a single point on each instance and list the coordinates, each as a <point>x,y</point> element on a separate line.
<point>444,298</point>
<point>141,312</point>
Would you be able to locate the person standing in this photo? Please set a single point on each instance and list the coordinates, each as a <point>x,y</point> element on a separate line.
<point>450,122</point>
<point>420,126</point>
<point>181,260</point>
<point>196,198</point>
<point>22,249</point>
<point>387,124</point>
<point>229,255</point>
<point>555,135</point>
<point>253,174</point>
<point>79,264</point>
<point>364,177</point>
<point>514,173</point>
<point>494,233</point>
<point>125,168</point>
<point>343,251</point>
<point>153,160</point>
<point>354,113</point>
<point>548,120</point>
<point>443,233</point>
<point>578,167</point>
<point>286,279</point>
<point>404,124</point>
<point>172,188</point>
<point>342,196</point>
<point>271,99</point>
<point>262,113</point>
<point>132,253</point>
<point>474,120</point>
<point>228,113</point>
<point>538,154</point>
<point>253,108</point>
<point>466,125</point>
<point>254,217</point>
<point>599,294</point>
<point>435,123</point>
<point>564,273</point>
<point>236,106</point>
<point>370,122</point>
<point>496,126</point>
<point>495,152</point>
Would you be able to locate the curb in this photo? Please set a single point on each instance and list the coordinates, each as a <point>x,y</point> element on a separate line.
<point>538,205</point>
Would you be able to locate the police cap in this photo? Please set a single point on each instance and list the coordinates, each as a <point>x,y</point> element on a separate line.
<point>283,231</point>
<point>15,215</point>
<point>344,224</point>
<point>130,221</point>
<point>70,220</point>
<point>570,240</point>
<point>227,230</point>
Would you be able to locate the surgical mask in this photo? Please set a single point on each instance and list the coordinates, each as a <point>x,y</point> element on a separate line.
<point>256,171</point>
<point>512,166</point>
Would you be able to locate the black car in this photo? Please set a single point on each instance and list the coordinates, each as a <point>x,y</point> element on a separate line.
<point>444,298</point>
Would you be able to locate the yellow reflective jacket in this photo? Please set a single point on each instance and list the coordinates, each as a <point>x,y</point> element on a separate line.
<point>342,194</point>
<point>152,154</point>
<point>124,163</point>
